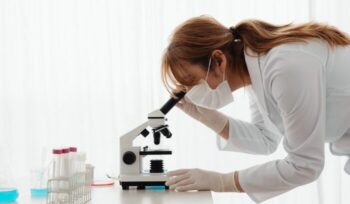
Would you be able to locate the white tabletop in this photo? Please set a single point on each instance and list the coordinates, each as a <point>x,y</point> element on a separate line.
<point>115,194</point>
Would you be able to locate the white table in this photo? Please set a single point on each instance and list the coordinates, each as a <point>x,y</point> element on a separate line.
<point>115,195</point>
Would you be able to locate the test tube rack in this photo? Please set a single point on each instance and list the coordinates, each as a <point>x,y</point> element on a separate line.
<point>75,189</point>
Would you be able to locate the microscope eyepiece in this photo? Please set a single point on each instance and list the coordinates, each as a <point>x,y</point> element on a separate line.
<point>171,102</point>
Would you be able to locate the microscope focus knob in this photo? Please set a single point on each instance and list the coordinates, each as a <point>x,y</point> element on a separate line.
<point>129,157</point>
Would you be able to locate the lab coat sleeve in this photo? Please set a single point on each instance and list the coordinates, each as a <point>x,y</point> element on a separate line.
<point>249,137</point>
<point>296,83</point>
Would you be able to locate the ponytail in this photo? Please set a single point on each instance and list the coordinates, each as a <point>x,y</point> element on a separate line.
<point>194,40</point>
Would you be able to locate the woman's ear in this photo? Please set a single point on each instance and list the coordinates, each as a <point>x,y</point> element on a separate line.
<point>219,62</point>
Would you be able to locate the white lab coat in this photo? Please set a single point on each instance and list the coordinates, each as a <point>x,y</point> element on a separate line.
<point>300,92</point>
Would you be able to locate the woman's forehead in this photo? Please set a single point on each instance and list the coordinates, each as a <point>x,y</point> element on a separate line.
<point>187,74</point>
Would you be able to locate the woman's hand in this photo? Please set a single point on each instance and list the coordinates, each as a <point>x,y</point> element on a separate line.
<point>211,118</point>
<point>197,179</point>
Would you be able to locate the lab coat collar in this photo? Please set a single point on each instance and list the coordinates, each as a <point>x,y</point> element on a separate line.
<point>253,61</point>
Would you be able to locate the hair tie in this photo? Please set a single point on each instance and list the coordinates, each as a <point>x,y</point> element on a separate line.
<point>233,31</point>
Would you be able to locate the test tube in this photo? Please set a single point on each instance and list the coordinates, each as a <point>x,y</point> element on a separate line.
<point>72,160</point>
<point>72,173</point>
<point>56,172</point>
<point>81,158</point>
<point>56,163</point>
<point>64,174</point>
<point>65,162</point>
<point>65,169</point>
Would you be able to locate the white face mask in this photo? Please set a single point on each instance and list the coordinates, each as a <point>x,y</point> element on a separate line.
<point>206,97</point>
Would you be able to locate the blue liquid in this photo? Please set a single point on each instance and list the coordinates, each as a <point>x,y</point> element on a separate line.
<point>155,187</point>
<point>8,194</point>
<point>38,192</point>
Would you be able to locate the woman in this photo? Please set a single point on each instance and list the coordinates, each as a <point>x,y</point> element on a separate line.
<point>299,80</point>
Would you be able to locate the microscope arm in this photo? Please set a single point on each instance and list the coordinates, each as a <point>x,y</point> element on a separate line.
<point>127,139</point>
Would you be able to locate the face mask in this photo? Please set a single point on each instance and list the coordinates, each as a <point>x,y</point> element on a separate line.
<point>206,97</point>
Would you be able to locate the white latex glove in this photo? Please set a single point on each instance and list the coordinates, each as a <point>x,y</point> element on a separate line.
<point>210,118</point>
<point>197,179</point>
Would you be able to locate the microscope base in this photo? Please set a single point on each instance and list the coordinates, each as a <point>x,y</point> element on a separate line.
<point>142,184</point>
<point>141,181</point>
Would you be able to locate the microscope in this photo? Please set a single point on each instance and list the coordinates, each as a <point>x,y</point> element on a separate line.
<point>131,170</point>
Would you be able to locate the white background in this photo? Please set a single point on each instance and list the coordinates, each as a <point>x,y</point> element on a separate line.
<point>83,72</point>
